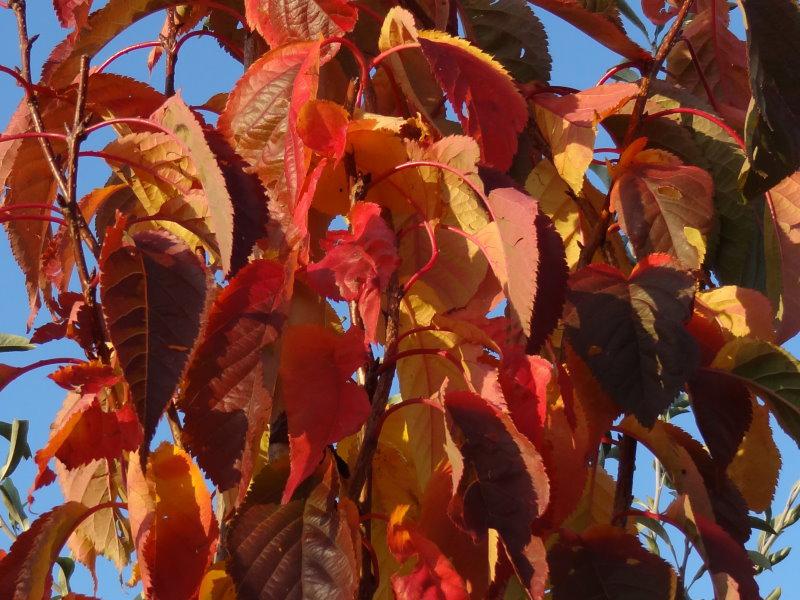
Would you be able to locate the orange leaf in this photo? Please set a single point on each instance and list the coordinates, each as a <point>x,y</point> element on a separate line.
<point>172,522</point>
<point>433,576</point>
<point>282,21</point>
<point>322,125</point>
<point>315,370</point>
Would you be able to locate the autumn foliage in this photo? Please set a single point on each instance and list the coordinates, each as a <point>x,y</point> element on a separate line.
<point>397,313</point>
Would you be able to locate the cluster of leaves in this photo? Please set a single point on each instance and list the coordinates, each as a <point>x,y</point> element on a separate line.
<point>507,321</point>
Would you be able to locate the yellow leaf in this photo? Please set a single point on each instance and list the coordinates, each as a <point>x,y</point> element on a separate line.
<point>741,312</point>
<point>757,463</point>
<point>217,584</point>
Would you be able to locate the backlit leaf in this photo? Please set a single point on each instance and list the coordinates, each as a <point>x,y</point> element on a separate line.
<point>569,124</point>
<point>226,397</point>
<point>282,21</point>
<point>484,97</point>
<point>170,511</point>
<point>25,572</point>
<point>315,370</point>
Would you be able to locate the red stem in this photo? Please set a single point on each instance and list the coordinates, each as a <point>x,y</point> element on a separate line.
<point>37,365</point>
<point>614,70</point>
<point>358,55</point>
<point>12,207</point>
<point>427,266</point>
<point>437,165</point>
<point>383,55</point>
<point>33,135</point>
<point>112,158</point>
<point>390,410</point>
<point>614,150</point>
<point>700,113</point>
<point>387,363</point>
<point>206,33</point>
<point>700,74</point>
<point>369,11</point>
<point>129,121</point>
<point>44,218</point>
<point>125,51</point>
<point>30,88</point>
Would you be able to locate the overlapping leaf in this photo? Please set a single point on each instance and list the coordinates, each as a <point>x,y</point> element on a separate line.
<point>170,511</point>
<point>630,332</point>
<point>315,370</point>
<point>569,124</point>
<point>499,482</point>
<point>305,547</point>
<point>283,21</point>
<point>226,398</point>
<point>153,290</point>
<point>663,205</point>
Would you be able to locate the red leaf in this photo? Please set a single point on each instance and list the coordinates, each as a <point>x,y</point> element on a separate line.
<point>26,571</point>
<point>618,325</point>
<point>357,266</point>
<point>315,370</point>
<point>172,522</point>
<point>72,13</point>
<point>82,432</point>
<point>322,126</point>
<point>499,481</point>
<point>433,576</point>
<point>659,11</point>
<point>153,289</point>
<point>88,377</point>
<point>723,413</point>
<point>282,21</point>
<point>226,399</point>
<point>495,110</point>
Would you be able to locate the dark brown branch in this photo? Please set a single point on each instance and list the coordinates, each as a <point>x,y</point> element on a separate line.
<point>598,235</point>
<point>169,45</point>
<point>623,495</point>
<point>25,45</point>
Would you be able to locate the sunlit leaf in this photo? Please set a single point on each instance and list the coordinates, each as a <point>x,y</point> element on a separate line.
<point>282,21</point>
<point>170,511</point>
<point>153,290</point>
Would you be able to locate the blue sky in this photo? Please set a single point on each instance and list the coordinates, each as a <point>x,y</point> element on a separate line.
<point>203,71</point>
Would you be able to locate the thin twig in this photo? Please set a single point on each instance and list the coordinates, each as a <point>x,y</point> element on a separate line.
<point>598,236</point>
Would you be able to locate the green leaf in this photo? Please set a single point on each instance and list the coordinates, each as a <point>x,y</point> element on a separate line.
<point>14,343</point>
<point>760,524</point>
<point>10,497</point>
<point>759,560</point>
<point>771,373</point>
<point>510,32</point>
<point>630,14</point>
<point>18,447</point>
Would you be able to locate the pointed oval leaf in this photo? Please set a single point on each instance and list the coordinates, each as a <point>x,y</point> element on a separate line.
<point>495,110</point>
<point>172,522</point>
<point>284,21</point>
<point>153,290</point>
<point>226,398</point>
